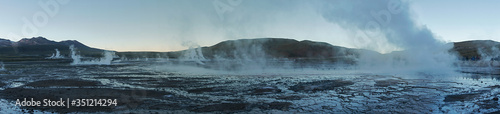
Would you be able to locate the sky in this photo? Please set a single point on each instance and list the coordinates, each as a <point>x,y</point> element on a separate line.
<point>168,25</point>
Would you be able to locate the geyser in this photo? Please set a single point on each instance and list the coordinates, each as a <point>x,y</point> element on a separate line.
<point>106,60</point>
<point>2,66</point>
<point>56,55</point>
<point>390,21</point>
<point>194,53</point>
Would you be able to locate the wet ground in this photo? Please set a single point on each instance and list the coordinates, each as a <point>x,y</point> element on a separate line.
<point>149,87</point>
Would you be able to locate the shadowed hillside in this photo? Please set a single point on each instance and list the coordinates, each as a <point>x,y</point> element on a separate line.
<point>263,48</point>
<point>37,48</point>
<point>278,48</point>
<point>476,49</point>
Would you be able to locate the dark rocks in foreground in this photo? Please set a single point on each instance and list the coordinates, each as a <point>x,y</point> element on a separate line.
<point>320,85</point>
<point>130,99</point>
<point>223,107</point>
<point>2,84</point>
<point>126,98</point>
<point>484,103</point>
<point>291,97</point>
<point>460,97</point>
<point>464,97</point>
<point>277,105</point>
<point>202,90</point>
<point>265,90</point>
<point>236,107</point>
<point>489,104</point>
<point>386,83</point>
<point>64,82</point>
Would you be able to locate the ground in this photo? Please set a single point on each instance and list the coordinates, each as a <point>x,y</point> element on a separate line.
<point>150,87</point>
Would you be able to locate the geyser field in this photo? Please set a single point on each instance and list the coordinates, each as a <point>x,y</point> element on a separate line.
<point>248,82</point>
<point>250,56</point>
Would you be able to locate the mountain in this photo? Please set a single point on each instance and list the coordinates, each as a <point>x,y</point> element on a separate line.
<point>269,48</point>
<point>40,46</point>
<point>293,49</point>
<point>5,43</point>
<point>277,48</point>
<point>264,48</point>
<point>476,48</point>
<point>35,41</point>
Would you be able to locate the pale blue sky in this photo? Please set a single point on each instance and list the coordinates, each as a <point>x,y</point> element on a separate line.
<point>459,20</point>
<point>164,25</point>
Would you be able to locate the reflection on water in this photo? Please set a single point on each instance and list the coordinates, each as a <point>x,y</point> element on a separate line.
<point>163,86</point>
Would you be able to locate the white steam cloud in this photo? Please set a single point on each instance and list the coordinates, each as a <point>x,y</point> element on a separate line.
<point>393,21</point>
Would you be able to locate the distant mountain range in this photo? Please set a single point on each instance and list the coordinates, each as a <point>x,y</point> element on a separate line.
<point>231,49</point>
<point>40,46</point>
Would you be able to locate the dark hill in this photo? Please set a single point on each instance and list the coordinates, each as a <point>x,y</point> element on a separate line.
<point>35,41</point>
<point>268,48</point>
<point>42,47</point>
<point>474,48</point>
<point>5,43</point>
<point>277,48</point>
<point>232,49</point>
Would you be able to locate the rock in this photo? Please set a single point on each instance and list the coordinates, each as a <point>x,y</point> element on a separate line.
<point>168,96</point>
<point>460,97</point>
<point>201,90</point>
<point>488,104</point>
<point>279,105</point>
<point>494,87</point>
<point>266,90</point>
<point>319,85</point>
<point>2,84</point>
<point>223,107</point>
<point>386,83</point>
<point>64,82</point>
<point>130,98</point>
<point>496,112</point>
<point>292,97</point>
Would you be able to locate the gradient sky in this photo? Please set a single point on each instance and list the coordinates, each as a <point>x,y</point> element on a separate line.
<point>165,25</point>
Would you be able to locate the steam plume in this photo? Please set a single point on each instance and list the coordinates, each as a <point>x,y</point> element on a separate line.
<point>390,20</point>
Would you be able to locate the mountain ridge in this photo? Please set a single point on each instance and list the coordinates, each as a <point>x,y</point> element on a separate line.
<point>41,46</point>
<point>253,48</point>
<point>40,41</point>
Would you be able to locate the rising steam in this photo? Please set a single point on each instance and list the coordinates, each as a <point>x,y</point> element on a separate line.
<point>391,21</point>
<point>194,53</point>
<point>56,55</point>
<point>77,59</point>
<point>2,66</point>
